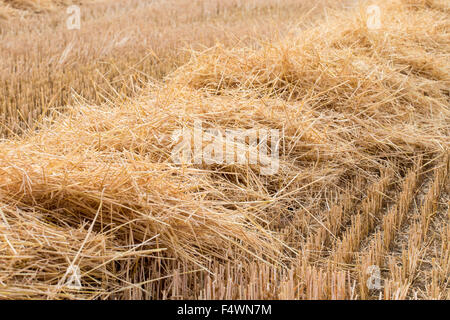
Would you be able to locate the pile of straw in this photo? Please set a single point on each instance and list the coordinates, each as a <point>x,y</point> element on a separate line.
<point>96,187</point>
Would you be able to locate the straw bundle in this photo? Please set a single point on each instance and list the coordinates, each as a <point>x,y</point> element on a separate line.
<point>96,187</point>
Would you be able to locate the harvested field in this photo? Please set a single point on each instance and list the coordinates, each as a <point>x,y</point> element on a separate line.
<point>121,46</point>
<point>359,184</point>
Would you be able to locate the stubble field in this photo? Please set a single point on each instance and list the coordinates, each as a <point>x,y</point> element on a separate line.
<point>356,208</point>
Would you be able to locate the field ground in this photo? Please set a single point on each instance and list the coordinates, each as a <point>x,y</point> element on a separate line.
<point>120,47</point>
<point>87,181</point>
